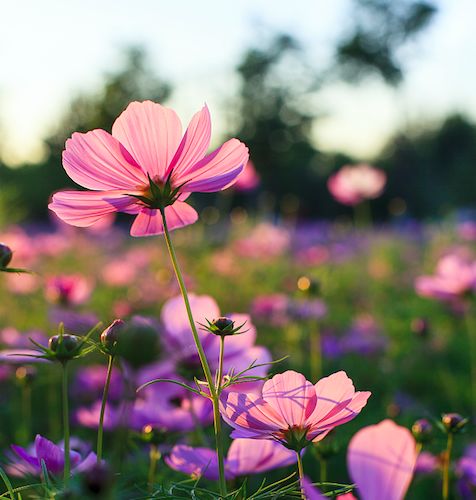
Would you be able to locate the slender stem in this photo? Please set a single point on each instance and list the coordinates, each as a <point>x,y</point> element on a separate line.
<point>67,465</point>
<point>103,408</point>
<point>316,353</point>
<point>154,456</point>
<point>183,290</point>
<point>471,331</point>
<point>446,467</point>
<point>362,214</point>
<point>220,364</point>
<point>301,474</point>
<point>214,396</point>
<point>323,472</point>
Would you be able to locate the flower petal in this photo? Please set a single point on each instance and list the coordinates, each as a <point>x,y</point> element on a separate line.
<point>381,459</point>
<point>84,208</point>
<point>252,414</point>
<point>254,456</point>
<point>96,160</point>
<point>149,221</point>
<point>196,462</point>
<point>216,171</point>
<point>151,133</point>
<point>292,396</point>
<point>194,144</point>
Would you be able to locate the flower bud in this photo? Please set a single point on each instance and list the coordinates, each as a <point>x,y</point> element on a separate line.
<point>6,255</point>
<point>453,422</point>
<point>422,430</point>
<point>223,325</point>
<point>110,335</point>
<point>139,344</point>
<point>64,346</point>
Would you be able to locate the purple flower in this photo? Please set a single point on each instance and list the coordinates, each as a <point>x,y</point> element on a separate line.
<point>28,461</point>
<point>89,383</point>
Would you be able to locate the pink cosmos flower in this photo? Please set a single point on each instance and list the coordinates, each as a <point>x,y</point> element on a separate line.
<point>381,459</point>
<point>455,276</point>
<point>144,167</point>
<point>312,493</point>
<point>293,411</point>
<point>245,456</point>
<point>68,289</point>
<point>353,184</point>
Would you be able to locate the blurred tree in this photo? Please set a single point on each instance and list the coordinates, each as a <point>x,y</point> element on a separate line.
<point>274,120</point>
<point>433,170</point>
<point>379,29</point>
<point>133,81</point>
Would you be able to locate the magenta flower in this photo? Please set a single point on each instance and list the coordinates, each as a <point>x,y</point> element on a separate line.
<point>381,459</point>
<point>245,457</point>
<point>144,167</point>
<point>68,289</point>
<point>312,493</point>
<point>293,411</point>
<point>249,179</point>
<point>455,276</point>
<point>29,461</point>
<point>353,184</point>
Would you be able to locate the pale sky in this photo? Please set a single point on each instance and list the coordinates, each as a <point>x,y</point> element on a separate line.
<point>51,49</point>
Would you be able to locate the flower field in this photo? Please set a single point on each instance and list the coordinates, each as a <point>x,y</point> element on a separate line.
<point>233,356</point>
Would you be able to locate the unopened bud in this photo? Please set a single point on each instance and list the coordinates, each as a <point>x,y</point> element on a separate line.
<point>6,255</point>
<point>110,335</point>
<point>223,325</point>
<point>453,422</point>
<point>64,346</point>
<point>420,327</point>
<point>422,430</point>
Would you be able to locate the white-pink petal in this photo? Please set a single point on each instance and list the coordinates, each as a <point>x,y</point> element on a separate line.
<point>151,133</point>
<point>381,459</point>
<point>98,161</point>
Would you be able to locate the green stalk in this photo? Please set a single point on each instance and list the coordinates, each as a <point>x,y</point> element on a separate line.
<point>154,456</point>
<point>67,465</point>
<point>220,364</point>
<point>203,359</point>
<point>323,471</point>
<point>446,468</point>
<point>301,474</point>
<point>103,408</point>
<point>471,331</point>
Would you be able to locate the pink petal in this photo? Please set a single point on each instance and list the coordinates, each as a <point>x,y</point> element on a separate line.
<point>149,221</point>
<point>251,414</point>
<point>334,398</point>
<point>151,133</point>
<point>381,459</point>
<point>196,462</point>
<point>98,161</point>
<point>292,396</point>
<point>216,171</point>
<point>254,456</point>
<point>194,145</point>
<point>84,208</point>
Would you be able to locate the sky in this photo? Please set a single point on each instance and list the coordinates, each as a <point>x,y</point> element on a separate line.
<point>51,50</point>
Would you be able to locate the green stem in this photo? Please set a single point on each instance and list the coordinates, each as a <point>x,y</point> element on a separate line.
<point>220,364</point>
<point>316,354</point>
<point>362,214</point>
<point>103,408</point>
<point>323,472</point>
<point>301,474</point>
<point>471,331</point>
<point>203,359</point>
<point>67,465</point>
<point>446,467</point>
<point>154,456</point>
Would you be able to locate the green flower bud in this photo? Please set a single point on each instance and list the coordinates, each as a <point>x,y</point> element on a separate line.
<point>6,255</point>
<point>111,334</point>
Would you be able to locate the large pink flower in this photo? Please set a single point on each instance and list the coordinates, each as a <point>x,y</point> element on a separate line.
<point>145,166</point>
<point>293,411</point>
<point>381,459</point>
<point>353,184</point>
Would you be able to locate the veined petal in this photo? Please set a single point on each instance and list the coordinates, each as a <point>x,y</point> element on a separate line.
<point>194,144</point>
<point>149,221</point>
<point>381,459</point>
<point>216,171</point>
<point>96,160</point>
<point>196,462</point>
<point>292,396</point>
<point>84,208</point>
<point>251,413</point>
<point>151,133</point>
